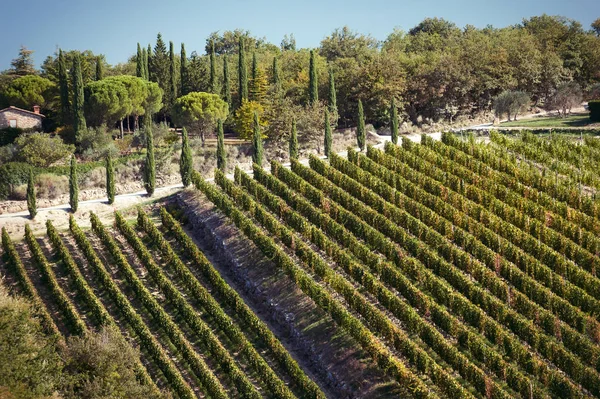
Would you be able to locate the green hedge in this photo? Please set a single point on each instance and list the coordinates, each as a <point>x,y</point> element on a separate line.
<point>594,107</point>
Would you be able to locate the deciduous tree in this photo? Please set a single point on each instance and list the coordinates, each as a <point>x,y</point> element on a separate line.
<point>200,111</point>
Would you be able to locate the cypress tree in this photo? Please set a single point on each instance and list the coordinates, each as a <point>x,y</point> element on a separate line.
<point>394,122</point>
<point>254,76</point>
<point>78,117</point>
<point>328,138</point>
<point>99,68</point>
<point>139,62</point>
<point>172,74</point>
<point>183,71</point>
<point>63,85</point>
<point>257,144</point>
<point>226,84</point>
<point>243,74</point>
<point>31,206</point>
<point>73,186</point>
<point>185,161</point>
<point>276,77</point>
<point>221,155</point>
<point>110,180</point>
<point>213,69</point>
<point>360,128</point>
<point>294,141</point>
<point>332,103</point>
<point>313,90</point>
<point>149,166</point>
<point>148,59</point>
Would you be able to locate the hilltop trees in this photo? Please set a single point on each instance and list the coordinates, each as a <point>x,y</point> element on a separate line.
<point>27,91</point>
<point>23,64</point>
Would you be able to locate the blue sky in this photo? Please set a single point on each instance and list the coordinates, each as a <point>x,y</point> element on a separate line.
<point>113,27</point>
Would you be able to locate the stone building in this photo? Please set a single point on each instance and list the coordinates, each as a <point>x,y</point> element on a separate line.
<point>21,118</point>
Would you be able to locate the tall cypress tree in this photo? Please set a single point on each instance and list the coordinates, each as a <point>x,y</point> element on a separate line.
<point>99,68</point>
<point>73,186</point>
<point>139,62</point>
<point>294,141</point>
<point>183,71</point>
<point>221,155</point>
<point>313,86</point>
<point>253,77</point>
<point>31,206</point>
<point>150,165</point>
<point>257,144</point>
<point>276,77</point>
<point>360,128</point>
<point>185,161</point>
<point>148,59</point>
<point>213,69</point>
<point>110,180</point>
<point>79,125</point>
<point>226,84</point>
<point>243,74</point>
<point>394,122</point>
<point>328,138</point>
<point>172,74</point>
<point>332,103</point>
<point>63,85</point>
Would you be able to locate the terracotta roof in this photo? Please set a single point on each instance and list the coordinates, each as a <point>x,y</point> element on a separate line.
<point>12,107</point>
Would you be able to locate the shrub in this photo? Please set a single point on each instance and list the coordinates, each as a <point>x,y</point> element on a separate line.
<point>96,143</point>
<point>594,107</point>
<point>9,135</point>
<point>41,150</point>
<point>12,174</point>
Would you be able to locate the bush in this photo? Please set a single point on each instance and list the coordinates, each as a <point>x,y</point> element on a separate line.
<point>594,107</point>
<point>9,135</point>
<point>41,150</point>
<point>96,143</point>
<point>12,175</point>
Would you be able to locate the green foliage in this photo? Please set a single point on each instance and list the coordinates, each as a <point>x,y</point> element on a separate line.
<point>27,91</point>
<point>79,124</point>
<point>361,138</point>
<point>23,64</point>
<point>63,87</point>
<point>394,122</point>
<point>293,144</point>
<point>159,67</point>
<point>106,102</point>
<point>213,70</point>
<point>8,135</point>
<point>172,75</point>
<point>242,74</point>
<point>183,71</point>
<point>41,150</point>
<point>30,365</point>
<point>510,103</point>
<point>221,153</point>
<point>328,140</point>
<point>73,186</point>
<point>200,111</point>
<point>226,84</point>
<point>257,144</point>
<point>139,62</point>
<point>332,100</point>
<point>99,68</point>
<point>276,77</point>
<point>313,84</point>
<point>110,180</point>
<point>186,164</point>
<point>594,107</point>
<point>150,163</point>
<point>244,119</point>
